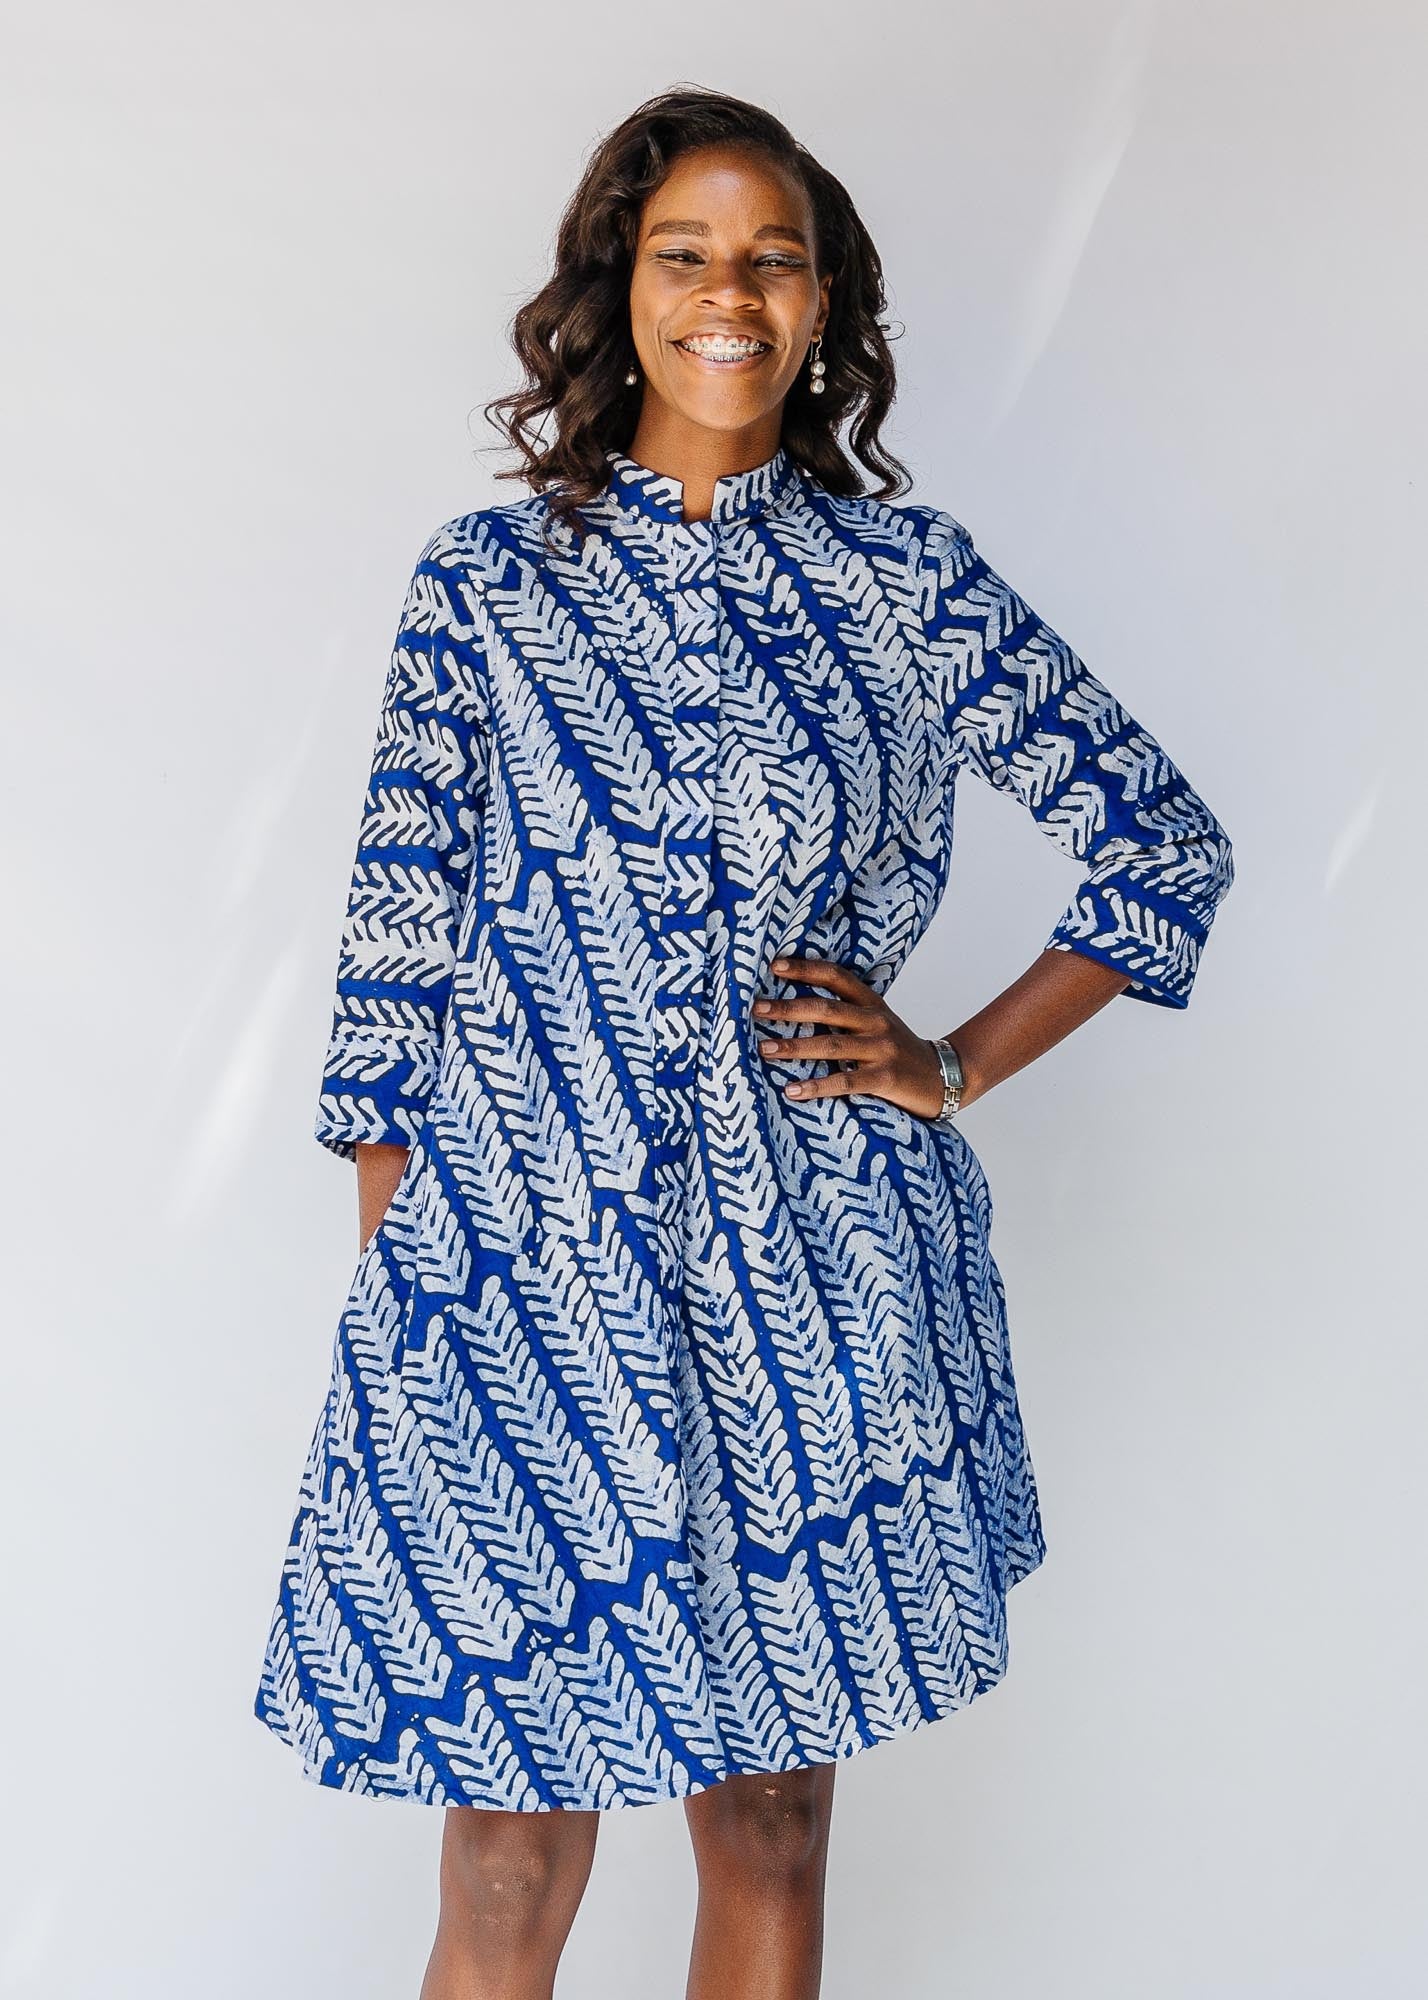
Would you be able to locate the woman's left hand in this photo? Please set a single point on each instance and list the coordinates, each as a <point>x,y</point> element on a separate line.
<point>878,1052</point>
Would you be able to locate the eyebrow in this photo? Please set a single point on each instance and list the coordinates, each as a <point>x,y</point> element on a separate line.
<point>702,229</point>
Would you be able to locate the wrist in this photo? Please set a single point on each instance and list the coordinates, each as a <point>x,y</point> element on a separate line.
<point>954,1079</point>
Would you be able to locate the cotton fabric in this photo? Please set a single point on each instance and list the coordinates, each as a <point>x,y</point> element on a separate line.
<point>672,1429</point>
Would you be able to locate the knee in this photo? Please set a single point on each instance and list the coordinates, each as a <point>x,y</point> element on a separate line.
<point>512,1874</point>
<point>770,1828</point>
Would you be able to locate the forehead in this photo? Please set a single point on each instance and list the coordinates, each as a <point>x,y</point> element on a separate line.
<point>724,183</point>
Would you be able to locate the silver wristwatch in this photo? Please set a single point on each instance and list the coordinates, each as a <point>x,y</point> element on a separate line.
<point>953,1081</point>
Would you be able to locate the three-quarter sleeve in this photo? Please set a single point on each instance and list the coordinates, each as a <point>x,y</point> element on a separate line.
<point>1026,715</point>
<point>412,867</point>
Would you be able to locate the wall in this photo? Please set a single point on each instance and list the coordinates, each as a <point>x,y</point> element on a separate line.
<point>1157,270</point>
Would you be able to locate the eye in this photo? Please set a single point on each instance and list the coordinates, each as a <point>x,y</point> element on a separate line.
<point>780,259</point>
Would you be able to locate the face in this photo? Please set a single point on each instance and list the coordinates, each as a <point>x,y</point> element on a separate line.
<point>725,248</point>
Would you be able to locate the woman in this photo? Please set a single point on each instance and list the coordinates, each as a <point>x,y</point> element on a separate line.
<point>672,1448</point>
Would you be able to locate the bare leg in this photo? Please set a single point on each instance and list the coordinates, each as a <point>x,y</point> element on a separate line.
<point>761,1847</point>
<point>511,1883</point>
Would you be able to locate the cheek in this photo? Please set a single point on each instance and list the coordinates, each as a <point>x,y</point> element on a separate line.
<point>796,330</point>
<point>657,289</point>
<point>647,306</point>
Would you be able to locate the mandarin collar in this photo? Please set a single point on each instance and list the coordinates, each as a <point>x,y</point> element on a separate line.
<point>738,496</point>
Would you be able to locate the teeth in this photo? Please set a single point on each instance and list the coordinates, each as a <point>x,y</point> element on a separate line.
<point>722,350</point>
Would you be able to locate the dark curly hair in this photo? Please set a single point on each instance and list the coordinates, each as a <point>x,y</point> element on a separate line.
<point>574,340</point>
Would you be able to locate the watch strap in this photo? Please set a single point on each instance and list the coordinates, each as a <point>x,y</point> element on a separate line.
<point>953,1081</point>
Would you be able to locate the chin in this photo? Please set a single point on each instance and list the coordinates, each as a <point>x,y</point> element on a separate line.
<point>726,412</point>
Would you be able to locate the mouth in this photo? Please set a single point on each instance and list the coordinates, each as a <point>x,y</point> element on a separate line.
<point>724,351</point>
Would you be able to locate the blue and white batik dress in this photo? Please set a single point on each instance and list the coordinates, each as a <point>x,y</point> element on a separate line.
<point>672,1430</point>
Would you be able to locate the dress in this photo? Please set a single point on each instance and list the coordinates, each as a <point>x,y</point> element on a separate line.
<point>672,1430</point>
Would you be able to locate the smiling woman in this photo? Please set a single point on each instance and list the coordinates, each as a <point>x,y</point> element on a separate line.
<point>672,1448</point>
<point>699,219</point>
<point>724,305</point>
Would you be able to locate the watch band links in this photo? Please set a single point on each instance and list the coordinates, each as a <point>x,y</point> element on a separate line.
<point>953,1080</point>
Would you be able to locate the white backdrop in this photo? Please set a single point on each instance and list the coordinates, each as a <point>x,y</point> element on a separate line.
<point>1160,272</point>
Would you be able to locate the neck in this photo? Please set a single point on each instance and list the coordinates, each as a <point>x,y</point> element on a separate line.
<point>698,457</point>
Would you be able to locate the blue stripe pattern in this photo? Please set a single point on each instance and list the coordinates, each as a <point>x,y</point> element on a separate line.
<point>671,1429</point>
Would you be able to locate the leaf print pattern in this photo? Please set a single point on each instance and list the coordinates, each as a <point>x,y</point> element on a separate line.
<point>672,1429</point>
<point>1030,719</point>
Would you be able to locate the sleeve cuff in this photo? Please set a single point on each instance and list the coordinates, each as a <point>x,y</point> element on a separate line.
<point>1161,956</point>
<point>375,1091</point>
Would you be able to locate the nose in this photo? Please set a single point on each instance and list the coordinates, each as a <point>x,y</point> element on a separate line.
<point>728,279</point>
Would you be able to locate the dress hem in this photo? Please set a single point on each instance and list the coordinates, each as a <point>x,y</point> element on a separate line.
<point>331,1776</point>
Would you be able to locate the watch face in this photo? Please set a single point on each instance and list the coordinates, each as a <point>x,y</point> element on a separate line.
<point>951,1062</point>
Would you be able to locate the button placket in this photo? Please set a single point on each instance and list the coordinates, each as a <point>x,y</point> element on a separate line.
<point>687,874</point>
<point>682,560</point>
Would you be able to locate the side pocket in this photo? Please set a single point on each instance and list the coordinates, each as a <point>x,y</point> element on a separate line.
<point>378,1306</point>
<point>396,1229</point>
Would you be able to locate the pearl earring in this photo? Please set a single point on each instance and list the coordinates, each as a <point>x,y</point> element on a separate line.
<point>631,379</point>
<point>815,367</point>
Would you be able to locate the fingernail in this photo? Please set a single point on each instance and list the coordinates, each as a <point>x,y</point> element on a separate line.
<point>782,964</point>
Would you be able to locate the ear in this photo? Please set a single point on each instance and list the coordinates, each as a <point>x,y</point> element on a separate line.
<point>825,287</point>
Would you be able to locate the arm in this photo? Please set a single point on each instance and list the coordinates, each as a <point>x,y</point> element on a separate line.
<point>1027,717</point>
<point>1055,994</point>
<point>409,882</point>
